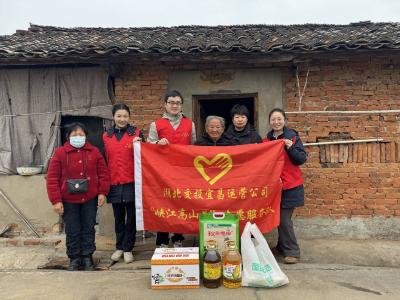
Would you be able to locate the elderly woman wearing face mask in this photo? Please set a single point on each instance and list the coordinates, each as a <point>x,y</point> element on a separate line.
<point>77,184</point>
<point>213,136</point>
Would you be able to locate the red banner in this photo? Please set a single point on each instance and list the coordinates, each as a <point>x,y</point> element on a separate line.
<point>175,183</point>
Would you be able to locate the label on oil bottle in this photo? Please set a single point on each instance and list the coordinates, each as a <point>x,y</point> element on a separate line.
<point>232,272</point>
<point>212,270</point>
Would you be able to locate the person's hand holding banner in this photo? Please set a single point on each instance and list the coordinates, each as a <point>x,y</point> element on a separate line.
<point>176,182</point>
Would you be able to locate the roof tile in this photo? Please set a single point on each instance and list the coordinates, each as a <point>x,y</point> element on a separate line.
<point>48,41</point>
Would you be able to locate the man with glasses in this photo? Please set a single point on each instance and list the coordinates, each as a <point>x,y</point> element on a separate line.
<point>172,128</point>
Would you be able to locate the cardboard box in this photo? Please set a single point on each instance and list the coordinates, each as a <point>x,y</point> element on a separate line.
<point>175,268</point>
<point>218,226</point>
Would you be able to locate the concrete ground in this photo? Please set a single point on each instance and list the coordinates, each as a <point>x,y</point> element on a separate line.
<point>307,281</point>
<point>330,269</point>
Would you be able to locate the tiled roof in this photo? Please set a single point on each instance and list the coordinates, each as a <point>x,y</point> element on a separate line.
<point>46,42</point>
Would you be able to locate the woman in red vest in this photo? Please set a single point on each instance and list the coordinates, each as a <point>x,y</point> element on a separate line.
<point>77,183</point>
<point>172,128</point>
<point>292,180</point>
<point>118,148</point>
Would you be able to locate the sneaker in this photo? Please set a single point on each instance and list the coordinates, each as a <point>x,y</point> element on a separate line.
<point>290,260</point>
<point>178,244</point>
<point>128,257</point>
<point>162,246</point>
<point>116,256</point>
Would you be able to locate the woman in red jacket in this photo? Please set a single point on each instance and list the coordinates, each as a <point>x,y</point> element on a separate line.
<point>292,180</point>
<point>77,183</point>
<point>118,146</point>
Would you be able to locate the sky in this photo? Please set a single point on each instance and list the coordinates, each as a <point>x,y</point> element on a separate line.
<point>17,14</point>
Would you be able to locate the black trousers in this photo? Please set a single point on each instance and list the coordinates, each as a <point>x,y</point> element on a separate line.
<point>163,238</point>
<point>125,225</point>
<point>287,242</point>
<point>79,220</point>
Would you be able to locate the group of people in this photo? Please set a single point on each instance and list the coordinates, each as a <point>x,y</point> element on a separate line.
<point>80,179</point>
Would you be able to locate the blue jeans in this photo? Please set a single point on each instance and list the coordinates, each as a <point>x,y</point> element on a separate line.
<point>80,219</point>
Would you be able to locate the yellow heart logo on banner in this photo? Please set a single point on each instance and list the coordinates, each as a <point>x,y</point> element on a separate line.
<point>220,161</point>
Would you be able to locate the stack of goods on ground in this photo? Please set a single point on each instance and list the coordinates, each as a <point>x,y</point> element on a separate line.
<point>175,268</point>
<point>220,261</point>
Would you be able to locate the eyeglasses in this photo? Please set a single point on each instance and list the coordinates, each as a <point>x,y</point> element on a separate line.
<point>174,103</point>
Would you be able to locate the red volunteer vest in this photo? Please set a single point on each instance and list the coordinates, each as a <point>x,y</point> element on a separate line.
<point>119,155</point>
<point>291,174</point>
<point>181,135</point>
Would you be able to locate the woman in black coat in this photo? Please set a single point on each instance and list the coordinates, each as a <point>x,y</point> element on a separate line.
<point>240,132</point>
<point>292,180</point>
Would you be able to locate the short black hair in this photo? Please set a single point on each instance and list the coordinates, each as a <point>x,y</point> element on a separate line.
<point>239,109</point>
<point>280,110</point>
<point>119,106</point>
<point>70,128</point>
<point>172,93</point>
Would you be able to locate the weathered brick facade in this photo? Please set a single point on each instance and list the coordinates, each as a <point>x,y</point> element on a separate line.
<point>359,179</point>
<point>142,88</point>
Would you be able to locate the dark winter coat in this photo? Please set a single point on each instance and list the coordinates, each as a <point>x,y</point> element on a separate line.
<point>247,136</point>
<point>86,162</point>
<point>207,141</point>
<point>292,179</point>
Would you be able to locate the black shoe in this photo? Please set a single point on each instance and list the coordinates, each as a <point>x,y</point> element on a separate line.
<point>276,252</point>
<point>74,264</point>
<point>87,263</point>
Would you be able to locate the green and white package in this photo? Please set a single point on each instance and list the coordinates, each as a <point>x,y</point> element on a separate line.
<point>220,227</point>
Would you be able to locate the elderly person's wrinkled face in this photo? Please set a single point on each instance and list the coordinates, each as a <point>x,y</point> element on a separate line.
<point>214,129</point>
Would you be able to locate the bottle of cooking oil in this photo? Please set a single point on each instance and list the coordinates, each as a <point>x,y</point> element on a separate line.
<point>212,266</point>
<point>232,266</point>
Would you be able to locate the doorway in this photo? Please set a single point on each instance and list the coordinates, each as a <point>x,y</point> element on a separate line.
<point>221,105</point>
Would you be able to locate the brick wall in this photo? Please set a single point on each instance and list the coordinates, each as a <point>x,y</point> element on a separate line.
<point>355,179</point>
<point>341,181</point>
<point>142,88</point>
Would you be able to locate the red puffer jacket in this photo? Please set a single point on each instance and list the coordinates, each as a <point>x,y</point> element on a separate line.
<point>84,162</point>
